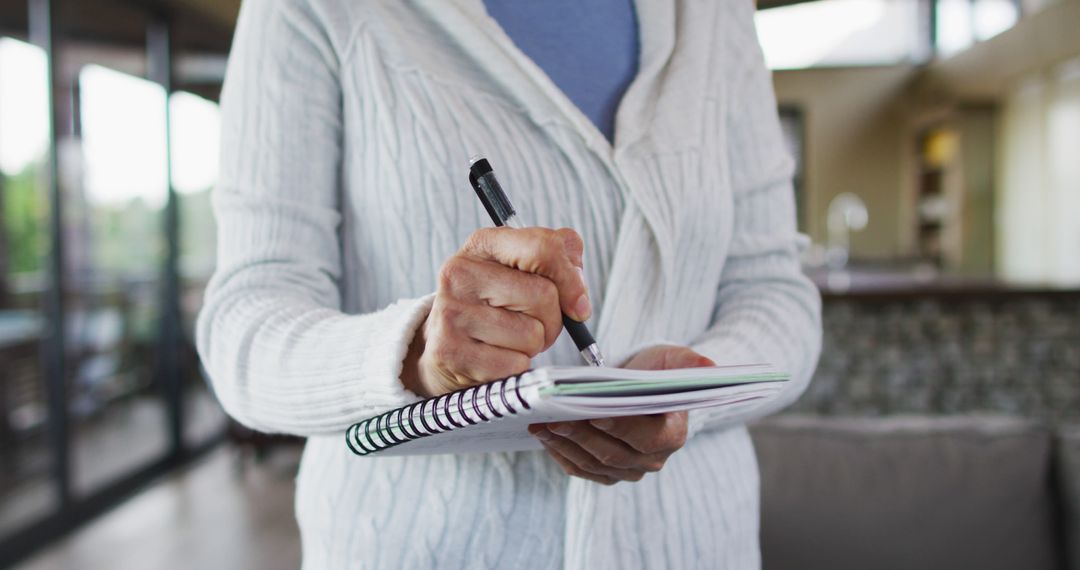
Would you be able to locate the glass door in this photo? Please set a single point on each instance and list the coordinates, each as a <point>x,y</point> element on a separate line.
<point>27,490</point>
<point>106,242</point>
<point>115,246</point>
<point>195,145</point>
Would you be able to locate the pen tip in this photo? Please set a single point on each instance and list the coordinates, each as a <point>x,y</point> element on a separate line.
<point>475,158</point>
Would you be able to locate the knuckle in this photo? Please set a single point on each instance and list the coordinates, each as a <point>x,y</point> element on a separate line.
<point>530,253</point>
<point>552,327</point>
<point>615,459</point>
<point>536,337</point>
<point>506,363</point>
<point>546,303</point>
<point>571,241</point>
<point>479,239</point>
<point>550,246</point>
<point>452,273</point>
<point>675,430</point>
<point>519,363</point>
<point>678,439</point>
<point>554,240</point>
<point>533,237</point>
<point>450,316</point>
<point>592,465</point>
<point>654,465</point>
<point>547,293</point>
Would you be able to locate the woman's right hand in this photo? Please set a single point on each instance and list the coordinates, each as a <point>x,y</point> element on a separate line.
<point>499,303</point>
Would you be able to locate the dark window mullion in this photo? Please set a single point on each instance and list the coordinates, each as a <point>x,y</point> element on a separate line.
<point>159,52</point>
<point>42,22</point>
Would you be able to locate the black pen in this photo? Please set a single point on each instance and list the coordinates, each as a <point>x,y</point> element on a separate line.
<point>498,206</point>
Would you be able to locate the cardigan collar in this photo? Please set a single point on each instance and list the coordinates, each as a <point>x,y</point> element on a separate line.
<point>526,83</point>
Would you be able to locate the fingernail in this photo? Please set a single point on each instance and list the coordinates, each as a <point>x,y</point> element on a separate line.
<point>561,429</point>
<point>583,308</point>
<point>603,423</point>
<point>543,435</point>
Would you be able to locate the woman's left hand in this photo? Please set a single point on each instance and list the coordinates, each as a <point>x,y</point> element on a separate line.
<point>610,450</point>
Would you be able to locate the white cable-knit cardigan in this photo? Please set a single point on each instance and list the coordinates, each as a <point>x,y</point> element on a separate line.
<point>347,130</point>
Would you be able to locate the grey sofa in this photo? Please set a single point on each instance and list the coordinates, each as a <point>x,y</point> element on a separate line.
<point>907,492</point>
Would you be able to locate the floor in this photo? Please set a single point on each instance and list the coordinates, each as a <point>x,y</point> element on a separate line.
<point>224,511</point>
<point>131,434</point>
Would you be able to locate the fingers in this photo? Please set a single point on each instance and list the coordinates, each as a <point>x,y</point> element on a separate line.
<point>683,357</point>
<point>667,357</point>
<point>584,450</point>
<point>463,362</point>
<point>503,329</point>
<point>608,450</point>
<point>499,302</point>
<point>487,283</point>
<point>583,461</point>
<point>569,468</point>
<point>652,434</point>
<point>554,254</point>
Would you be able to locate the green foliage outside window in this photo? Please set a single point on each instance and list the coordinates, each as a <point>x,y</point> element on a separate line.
<point>25,221</point>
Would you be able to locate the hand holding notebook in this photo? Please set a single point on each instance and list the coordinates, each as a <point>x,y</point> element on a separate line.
<point>495,416</point>
<point>609,450</point>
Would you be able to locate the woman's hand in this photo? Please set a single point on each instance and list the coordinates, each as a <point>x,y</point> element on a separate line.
<point>499,303</point>
<point>610,450</point>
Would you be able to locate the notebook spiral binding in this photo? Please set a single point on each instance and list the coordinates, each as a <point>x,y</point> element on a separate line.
<point>470,406</point>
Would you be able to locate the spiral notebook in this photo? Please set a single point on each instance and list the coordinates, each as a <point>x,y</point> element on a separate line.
<point>494,416</point>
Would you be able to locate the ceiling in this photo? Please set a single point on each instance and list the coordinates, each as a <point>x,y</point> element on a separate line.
<point>202,30</point>
<point>199,25</point>
<point>763,4</point>
<point>224,11</point>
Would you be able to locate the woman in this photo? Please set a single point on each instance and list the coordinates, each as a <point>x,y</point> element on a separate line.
<point>353,276</point>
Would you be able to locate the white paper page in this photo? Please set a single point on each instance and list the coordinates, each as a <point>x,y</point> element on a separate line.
<point>510,434</point>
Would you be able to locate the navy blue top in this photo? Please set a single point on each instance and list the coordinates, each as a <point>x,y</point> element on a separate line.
<point>588,48</point>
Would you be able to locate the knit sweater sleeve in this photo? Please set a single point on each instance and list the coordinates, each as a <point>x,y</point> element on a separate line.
<point>281,354</point>
<point>766,310</point>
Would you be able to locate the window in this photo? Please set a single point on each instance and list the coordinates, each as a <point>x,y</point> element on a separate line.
<point>26,486</point>
<point>196,126</point>
<point>961,23</point>
<point>116,247</point>
<point>91,352</point>
<point>840,33</point>
<point>1038,221</point>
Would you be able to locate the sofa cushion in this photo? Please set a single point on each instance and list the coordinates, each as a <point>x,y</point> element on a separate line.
<point>906,492</point>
